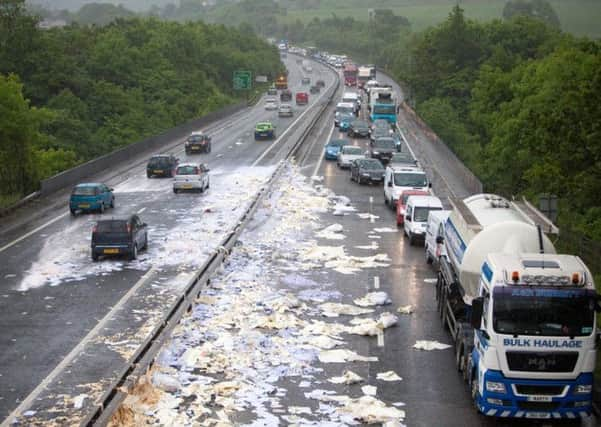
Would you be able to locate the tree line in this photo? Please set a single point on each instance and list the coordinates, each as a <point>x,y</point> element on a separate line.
<point>70,94</point>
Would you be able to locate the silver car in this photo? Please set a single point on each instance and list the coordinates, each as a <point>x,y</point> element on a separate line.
<point>347,154</point>
<point>285,110</point>
<point>191,177</point>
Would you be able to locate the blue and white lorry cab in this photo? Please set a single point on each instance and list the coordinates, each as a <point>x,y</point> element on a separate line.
<point>522,317</point>
<point>383,104</point>
<point>534,347</point>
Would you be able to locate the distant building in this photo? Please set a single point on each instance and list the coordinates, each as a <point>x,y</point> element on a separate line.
<point>52,23</point>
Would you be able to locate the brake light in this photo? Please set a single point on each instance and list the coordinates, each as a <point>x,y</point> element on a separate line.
<point>128,228</point>
<point>515,276</point>
<point>95,229</point>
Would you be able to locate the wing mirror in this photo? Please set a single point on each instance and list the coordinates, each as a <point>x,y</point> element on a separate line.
<point>439,240</point>
<point>390,183</point>
<point>111,189</point>
<point>408,218</point>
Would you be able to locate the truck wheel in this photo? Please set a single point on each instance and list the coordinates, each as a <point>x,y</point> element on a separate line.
<point>460,355</point>
<point>385,200</point>
<point>73,212</point>
<point>429,259</point>
<point>94,256</point>
<point>411,239</point>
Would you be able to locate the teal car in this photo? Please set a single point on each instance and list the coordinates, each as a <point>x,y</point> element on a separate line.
<point>345,122</point>
<point>90,197</point>
<point>333,148</point>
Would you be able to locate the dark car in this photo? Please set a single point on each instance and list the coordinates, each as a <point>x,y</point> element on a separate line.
<point>117,237</point>
<point>358,128</point>
<point>198,142</point>
<point>314,89</point>
<point>306,81</point>
<point>380,132</point>
<point>367,170</point>
<point>402,159</point>
<point>382,148</point>
<point>272,91</point>
<point>380,124</point>
<point>320,83</point>
<point>286,95</point>
<point>161,165</point>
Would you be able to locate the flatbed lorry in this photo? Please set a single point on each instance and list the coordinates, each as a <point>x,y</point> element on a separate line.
<point>522,317</point>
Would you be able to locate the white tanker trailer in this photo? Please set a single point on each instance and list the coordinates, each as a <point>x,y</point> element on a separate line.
<point>522,317</point>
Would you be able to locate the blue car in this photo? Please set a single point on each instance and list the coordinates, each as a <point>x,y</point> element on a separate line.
<point>345,122</point>
<point>333,148</point>
<point>88,197</point>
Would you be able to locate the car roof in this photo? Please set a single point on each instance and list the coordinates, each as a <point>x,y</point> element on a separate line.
<point>345,104</point>
<point>156,156</point>
<point>424,201</point>
<point>119,218</point>
<point>285,105</point>
<point>271,100</point>
<point>407,169</point>
<point>187,164</point>
<point>439,216</point>
<point>89,184</point>
<point>264,124</point>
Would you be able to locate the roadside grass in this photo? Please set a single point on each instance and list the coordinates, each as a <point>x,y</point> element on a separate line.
<point>7,200</point>
<point>578,17</point>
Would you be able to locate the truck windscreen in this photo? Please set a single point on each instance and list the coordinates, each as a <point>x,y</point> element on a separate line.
<point>384,109</point>
<point>543,311</point>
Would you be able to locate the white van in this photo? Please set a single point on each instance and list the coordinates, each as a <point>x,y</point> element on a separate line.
<point>416,216</point>
<point>343,108</point>
<point>434,234</point>
<point>398,179</point>
<point>352,98</point>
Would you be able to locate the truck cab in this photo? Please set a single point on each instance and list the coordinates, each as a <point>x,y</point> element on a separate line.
<point>533,351</point>
<point>398,179</point>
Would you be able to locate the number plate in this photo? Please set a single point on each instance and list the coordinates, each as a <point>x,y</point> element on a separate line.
<point>539,399</point>
<point>84,205</point>
<point>538,415</point>
<point>186,185</point>
<point>157,171</point>
<point>110,251</point>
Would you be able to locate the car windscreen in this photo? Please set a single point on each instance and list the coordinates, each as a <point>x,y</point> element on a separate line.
<point>360,124</point>
<point>385,143</point>
<point>410,179</point>
<point>348,110</point>
<point>85,191</point>
<point>187,170</point>
<point>371,164</point>
<point>196,138</point>
<point>352,150</point>
<point>112,226</point>
<point>158,162</point>
<point>420,214</point>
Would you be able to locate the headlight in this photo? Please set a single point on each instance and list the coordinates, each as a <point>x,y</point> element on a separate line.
<point>583,389</point>
<point>376,153</point>
<point>495,387</point>
<point>364,173</point>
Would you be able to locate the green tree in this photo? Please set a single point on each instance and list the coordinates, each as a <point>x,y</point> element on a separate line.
<point>537,9</point>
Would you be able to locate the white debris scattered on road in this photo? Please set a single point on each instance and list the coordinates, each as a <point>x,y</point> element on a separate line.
<point>316,178</point>
<point>385,230</point>
<point>78,401</point>
<point>430,345</point>
<point>405,309</point>
<point>348,377</point>
<point>343,356</point>
<point>371,327</point>
<point>333,309</point>
<point>431,280</point>
<point>388,376</point>
<point>372,299</point>
<point>332,232</point>
<point>370,410</point>
<point>373,246</point>
<point>368,216</point>
<point>369,390</point>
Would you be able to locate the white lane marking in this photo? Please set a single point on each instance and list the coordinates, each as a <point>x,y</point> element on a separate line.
<point>69,358</point>
<point>376,282</point>
<point>380,339</point>
<point>288,129</point>
<point>321,155</point>
<point>141,210</point>
<point>35,230</point>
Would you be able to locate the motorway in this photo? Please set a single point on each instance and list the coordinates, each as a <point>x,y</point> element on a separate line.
<point>52,295</point>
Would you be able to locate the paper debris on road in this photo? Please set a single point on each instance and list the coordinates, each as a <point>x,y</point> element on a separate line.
<point>333,309</point>
<point>430,345</point>
<point>78,400</point>
<point>342,356</point>
<point>385,230</point>
<point>372,327</point>
<point>368,215</point>
<point>332,232</point>
<point>296,410</point>
<point>405,309</point>
<point>388,376</point>
<point>431,280</point>
<point>373,298</point>
<point>323,342</point>
<point>369,390</point>
<point>349,377</point>
<point>370,410</point>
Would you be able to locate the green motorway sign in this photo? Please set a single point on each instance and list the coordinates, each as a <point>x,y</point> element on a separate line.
<point>242,80</point>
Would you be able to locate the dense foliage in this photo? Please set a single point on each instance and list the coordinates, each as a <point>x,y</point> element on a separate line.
<point>517,101</point>
<point>104,87</point>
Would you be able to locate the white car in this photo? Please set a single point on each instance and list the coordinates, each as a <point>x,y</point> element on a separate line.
<point>191,177</point>
<point>347,154</point>
<point>399,179</point>
<point>271,104</point>
<point>285,110</point>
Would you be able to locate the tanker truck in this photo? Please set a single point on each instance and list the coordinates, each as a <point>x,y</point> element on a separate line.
<point>522,316</point>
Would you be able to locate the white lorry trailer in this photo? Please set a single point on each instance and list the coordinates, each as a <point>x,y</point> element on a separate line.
<point>522,317</point>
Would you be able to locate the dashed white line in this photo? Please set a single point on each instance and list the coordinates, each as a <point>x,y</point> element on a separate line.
<point>381,339</point>
<point>318,165</point>
<point>376,282</point>
<point>141,210</point>
<point>35,230</point>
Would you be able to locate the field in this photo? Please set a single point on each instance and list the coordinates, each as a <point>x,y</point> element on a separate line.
<point>579,17</point>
